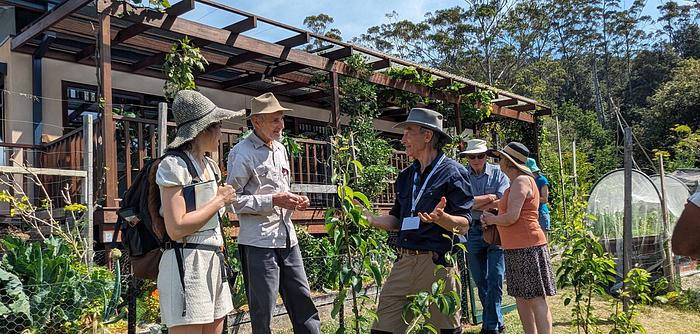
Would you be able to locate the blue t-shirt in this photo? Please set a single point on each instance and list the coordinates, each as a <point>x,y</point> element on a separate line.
<point>542,181</point>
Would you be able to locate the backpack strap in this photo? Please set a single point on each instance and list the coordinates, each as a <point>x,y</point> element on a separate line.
<point>166,238</point>
<point>190,166</point>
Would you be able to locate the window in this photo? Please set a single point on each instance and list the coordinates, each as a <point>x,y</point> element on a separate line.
<point>80,99</point>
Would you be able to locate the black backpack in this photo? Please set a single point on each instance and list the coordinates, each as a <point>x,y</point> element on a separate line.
<point>139,220</point>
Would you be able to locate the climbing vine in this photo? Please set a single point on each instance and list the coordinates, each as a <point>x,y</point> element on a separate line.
<point>180,62</point>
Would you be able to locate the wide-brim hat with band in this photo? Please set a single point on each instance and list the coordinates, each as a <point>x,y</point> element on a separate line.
<point>429,119</point>
<point>193,113</point>
<point>265,104</point>
<point>475,146</point>
<point>516,152</point>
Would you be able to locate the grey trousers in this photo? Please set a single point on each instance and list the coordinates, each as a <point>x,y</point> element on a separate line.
<point>269,270</point>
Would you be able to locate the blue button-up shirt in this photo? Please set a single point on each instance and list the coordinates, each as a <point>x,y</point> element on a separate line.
<point>491,181</point>
<point>449,180</point>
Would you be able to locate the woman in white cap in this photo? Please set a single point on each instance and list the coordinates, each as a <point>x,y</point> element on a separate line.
<point>194,292</point>
<point>528,268</point>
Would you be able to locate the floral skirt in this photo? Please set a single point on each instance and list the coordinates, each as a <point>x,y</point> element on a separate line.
<point>529,272</point>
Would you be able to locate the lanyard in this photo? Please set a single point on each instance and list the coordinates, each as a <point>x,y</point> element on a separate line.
<point>416,198</point>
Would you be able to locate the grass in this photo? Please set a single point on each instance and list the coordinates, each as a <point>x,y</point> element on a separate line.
<point>656,319</point>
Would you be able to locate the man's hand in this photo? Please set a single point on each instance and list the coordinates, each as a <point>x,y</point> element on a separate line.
<point>286,200</point>
<point>304,204</point>
<point>437,214</point>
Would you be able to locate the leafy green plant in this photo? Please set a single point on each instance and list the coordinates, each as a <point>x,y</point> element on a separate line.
<point>318,254</point>
<point>585,266</point>
<point>361,250</point>
<point>179,64</point>
<point>357,96</point>
<point>62,295</point>
<point>637,291</point>
<point>407,100</point>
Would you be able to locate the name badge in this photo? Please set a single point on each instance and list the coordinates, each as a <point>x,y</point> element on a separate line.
<point>410,223</point>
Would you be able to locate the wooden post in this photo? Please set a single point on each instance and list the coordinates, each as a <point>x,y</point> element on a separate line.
<point>573,148</point>
<point>561,171</point>
<point>335,108</point>
<point>668,255</point>
<point>627,222</point>
<point>162,127</point>
<point>108,141</point>
<point>458,125</point>
<point>536,127</point>
<point>87,186</point>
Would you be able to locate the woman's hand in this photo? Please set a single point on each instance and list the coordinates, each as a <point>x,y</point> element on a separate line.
<point>485,217</point>
<point>227,194</point>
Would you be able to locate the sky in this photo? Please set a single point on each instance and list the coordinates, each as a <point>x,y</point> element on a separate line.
<point>352,17</point>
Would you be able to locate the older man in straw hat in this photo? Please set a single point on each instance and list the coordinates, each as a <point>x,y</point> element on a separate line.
<point>258,168</point>
<point>433,199</point>
<point>485,261</point>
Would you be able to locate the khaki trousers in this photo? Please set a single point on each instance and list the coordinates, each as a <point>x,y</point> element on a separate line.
<point>410,275</point>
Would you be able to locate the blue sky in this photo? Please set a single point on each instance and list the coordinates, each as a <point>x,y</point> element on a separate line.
<point>352,17</point>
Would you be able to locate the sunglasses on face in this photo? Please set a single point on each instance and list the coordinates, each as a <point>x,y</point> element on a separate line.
<point>476,156</point>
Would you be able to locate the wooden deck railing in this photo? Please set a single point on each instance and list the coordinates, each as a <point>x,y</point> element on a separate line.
<point>136,142</point>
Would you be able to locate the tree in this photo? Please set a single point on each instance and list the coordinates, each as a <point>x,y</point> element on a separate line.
<point>319,24</point>
<point>677,101</point>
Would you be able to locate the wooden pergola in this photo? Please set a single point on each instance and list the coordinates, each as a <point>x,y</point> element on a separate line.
<point>136,40</point>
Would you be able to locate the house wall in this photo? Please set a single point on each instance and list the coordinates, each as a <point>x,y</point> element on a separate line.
<point>19,108</point>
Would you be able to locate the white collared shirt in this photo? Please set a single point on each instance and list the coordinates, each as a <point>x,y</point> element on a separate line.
<point>258,171</point>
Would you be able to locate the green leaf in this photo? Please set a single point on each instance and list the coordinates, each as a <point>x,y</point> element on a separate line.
<point>358,165</point>
<point>365,201</point>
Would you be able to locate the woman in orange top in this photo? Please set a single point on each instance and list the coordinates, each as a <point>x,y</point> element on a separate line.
<point>529,274</point>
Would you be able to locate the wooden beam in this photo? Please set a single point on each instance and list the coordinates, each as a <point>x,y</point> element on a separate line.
<point>46,41</point>
<point>543,112</point>
<point>84,29</point>
<point>523,107</point>
<point>242,80</point>
<point>135,29</point>
<point>244,57</point>
<point>444,82</point>
<point>339,53</point>
<point>286,87</point>
<point>380,64</point>
<point>505,102</point>
<point>158,58</point>
<point>221,36</point>
<point>296,40</point>
<point>108,140</point>
<point>244,25</point>
<point>510,113</point>
<point>310,96</point>
<point>284,69</point>
<point>47,21</point>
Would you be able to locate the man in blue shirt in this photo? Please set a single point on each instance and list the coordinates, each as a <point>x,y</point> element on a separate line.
<point>433,199</point>
<point>543,187</point>
<point>486,263</point>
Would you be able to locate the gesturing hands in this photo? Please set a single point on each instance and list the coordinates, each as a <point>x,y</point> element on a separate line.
<point>437,214</point>
<point>287,200</point>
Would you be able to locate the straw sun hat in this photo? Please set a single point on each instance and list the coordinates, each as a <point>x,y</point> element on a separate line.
<point>193,113</point>
<point>516,152</point>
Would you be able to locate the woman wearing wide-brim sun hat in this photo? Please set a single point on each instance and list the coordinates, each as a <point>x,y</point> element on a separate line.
<point>528,269</point>
<point>201,305</point>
